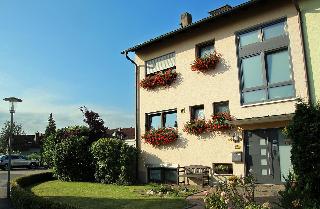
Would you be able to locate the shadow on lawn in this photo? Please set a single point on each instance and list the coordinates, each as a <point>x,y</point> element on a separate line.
<point>114,203</point>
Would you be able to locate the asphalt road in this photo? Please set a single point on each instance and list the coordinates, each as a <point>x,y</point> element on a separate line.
<point>14,174</point>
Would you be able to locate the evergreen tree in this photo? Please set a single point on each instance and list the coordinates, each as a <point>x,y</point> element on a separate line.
<point>5,134</point>
<point>51,128</point>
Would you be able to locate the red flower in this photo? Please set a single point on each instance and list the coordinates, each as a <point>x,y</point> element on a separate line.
<point>206,63</point>
<point>160,136</point>
<point>165,78</point>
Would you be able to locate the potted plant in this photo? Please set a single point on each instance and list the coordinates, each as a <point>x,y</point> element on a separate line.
<point>162,78</point>
<point>223,169</point>
<point>195,127</point>
<point>160,136</point>
<point>204,64</point>
<point>220,122</point>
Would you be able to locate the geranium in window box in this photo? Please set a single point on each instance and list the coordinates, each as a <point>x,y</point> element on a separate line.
<point>220,122</point>
<point>163,78</point>
<point>204,64</point>
<point>160,136</point>
<point>196,127</point>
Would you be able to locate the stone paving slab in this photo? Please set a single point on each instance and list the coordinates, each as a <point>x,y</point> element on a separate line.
<point>263,193</point>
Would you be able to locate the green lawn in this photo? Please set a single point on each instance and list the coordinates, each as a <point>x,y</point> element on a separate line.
<point>101,196</point>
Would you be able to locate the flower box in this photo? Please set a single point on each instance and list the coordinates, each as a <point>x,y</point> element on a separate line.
<point>195,127</point>
<point>220,122</point>
<point>160,136</point>
<point>163,78</point>
<point>204,64</point>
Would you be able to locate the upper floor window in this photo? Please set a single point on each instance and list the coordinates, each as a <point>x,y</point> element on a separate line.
<point>205,49</point>
<point>161,63</point>
<point>162,119</point>
<point>264,61</point>
<point>220,107</point>
<point>262,33</point>
<point>197,112</point>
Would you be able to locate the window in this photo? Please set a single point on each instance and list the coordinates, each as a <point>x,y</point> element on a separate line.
<point>162,175</point>
<point>264,62</point>
<point>161,63</point>
<point>162,119</point>
<point>205,49</point>
<point>219,107</point>
<point>197,112</point>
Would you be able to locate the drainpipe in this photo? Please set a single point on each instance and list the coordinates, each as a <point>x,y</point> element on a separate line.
<point>302,36</point>
<point>136,102</point>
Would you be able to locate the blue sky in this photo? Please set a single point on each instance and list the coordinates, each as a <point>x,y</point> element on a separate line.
<point>58,55</point>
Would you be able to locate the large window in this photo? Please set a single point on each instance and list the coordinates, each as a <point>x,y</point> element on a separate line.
<point>162,119</point>
<point>161,63</point>
<point>264,61</point>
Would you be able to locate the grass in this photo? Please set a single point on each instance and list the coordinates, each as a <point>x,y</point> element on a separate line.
<point>102,196</point>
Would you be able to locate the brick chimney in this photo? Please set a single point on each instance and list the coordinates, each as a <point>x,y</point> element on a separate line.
<point>185,19</point>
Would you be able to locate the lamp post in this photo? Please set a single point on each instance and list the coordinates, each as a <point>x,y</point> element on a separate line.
<point>12,101</point>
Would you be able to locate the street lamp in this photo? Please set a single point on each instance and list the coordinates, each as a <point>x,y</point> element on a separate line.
<point>12,101</point>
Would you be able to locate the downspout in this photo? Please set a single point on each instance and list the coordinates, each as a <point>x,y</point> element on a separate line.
<point>136,103</point>
<point>302,36</point>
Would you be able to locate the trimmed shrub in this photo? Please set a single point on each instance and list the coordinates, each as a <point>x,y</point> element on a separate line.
<point>48,147</point>
<point>304,130</point>
<point>73,160</point>
<point>22,198</point>
<point>115,161</point>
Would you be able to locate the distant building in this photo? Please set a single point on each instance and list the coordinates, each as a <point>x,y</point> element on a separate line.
<point>126,134</point>
<point>27,144</point>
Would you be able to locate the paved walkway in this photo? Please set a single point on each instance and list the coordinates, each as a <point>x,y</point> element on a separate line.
<point>196,201</point>
<point>263,193</point>
<point>4,202</point>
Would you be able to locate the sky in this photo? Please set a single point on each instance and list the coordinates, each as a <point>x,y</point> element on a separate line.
<point>59,55</point>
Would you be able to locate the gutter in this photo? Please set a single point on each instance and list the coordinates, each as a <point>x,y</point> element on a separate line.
<point>137,110</point>
<point>302,36</point>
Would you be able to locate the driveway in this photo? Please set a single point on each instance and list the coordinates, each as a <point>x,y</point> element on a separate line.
<point>15,173</point>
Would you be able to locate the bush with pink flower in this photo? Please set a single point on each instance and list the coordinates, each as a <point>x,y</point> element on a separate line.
<point>236,193</point>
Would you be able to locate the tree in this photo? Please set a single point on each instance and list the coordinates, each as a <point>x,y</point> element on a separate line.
<point>51,128</point>
<point>5,134</point>
<point>95,123</point>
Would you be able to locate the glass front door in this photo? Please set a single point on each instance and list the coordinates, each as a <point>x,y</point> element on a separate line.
<point>267,155</point>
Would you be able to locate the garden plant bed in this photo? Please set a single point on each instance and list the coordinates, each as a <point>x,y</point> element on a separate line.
<point>93,195</point>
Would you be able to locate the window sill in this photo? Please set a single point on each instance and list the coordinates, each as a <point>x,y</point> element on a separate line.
<point>269,102</point>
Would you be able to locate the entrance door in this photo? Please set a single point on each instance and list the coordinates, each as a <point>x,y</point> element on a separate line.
<point>262,155</point>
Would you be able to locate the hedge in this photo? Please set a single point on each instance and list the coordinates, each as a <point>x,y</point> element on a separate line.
<point>73,160</point>
<point>22,198</point>
<point>115,161</point>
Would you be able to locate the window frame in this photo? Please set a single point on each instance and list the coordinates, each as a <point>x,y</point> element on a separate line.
<point>219,103</point>
<point>262,49</point>
<point>162,118</point>
<point>150,74</point>
<point>203,44</point>
<point>162,171</point>
<point>193,108</point>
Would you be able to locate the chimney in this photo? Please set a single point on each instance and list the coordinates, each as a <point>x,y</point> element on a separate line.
<point>185,19</point>
<point>220,10</point>
<point>36,137</point>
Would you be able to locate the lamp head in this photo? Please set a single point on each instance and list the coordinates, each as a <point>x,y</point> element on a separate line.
<point>12,101</point>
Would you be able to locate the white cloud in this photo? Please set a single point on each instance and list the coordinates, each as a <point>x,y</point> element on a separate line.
<point>37,104</point>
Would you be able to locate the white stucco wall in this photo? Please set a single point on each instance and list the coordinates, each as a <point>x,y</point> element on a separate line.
<point>222,84</point>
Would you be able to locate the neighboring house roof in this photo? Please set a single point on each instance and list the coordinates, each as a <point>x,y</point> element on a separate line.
<point>216,15</point>
<point>25,142</point>
<point>122,133</point>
